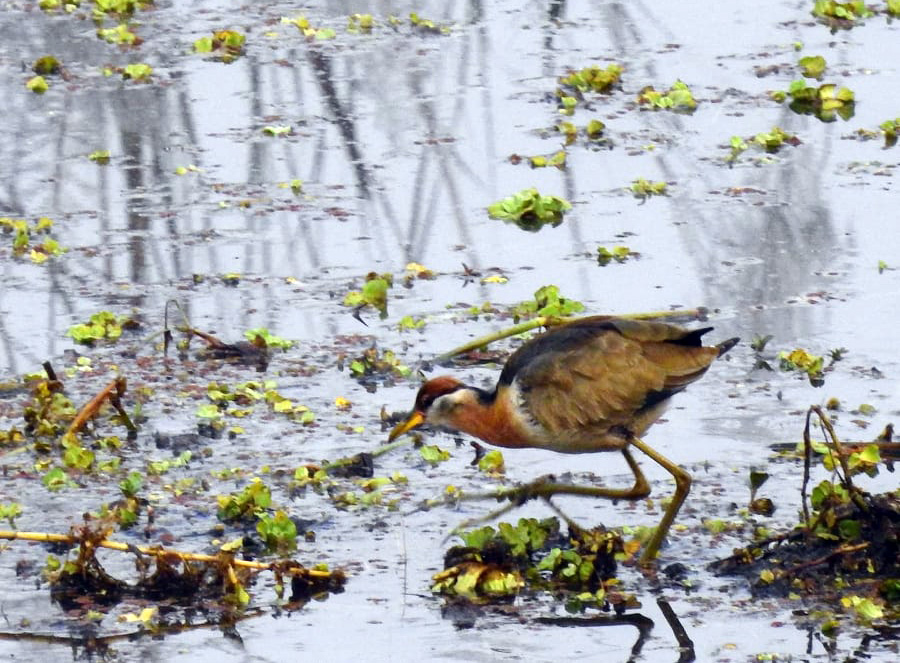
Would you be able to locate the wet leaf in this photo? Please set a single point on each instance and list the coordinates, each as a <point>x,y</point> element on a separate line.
<point>557,160</point>
<point>102,326</point>
<point>144,617</point>
<point>757,479</point>
<point>360,23</point>
<point>374,293</point>
<point>618,254</point>
<point>209,411</point>
<point>530,210</point>
<point>864,608</point>
<point>251,502</point>
<point>801,360</point>
<point>408,322</point>
<point>594,78</point>
<point>678,98</point>
<point>762,506</point>
<point>37,84</point>
<point>121,34</point>
<point>46,66</point>
<point>137,72</point>
<point>569,131</point>
<point>270,340</point>
<point>99,156</point>
<point>812,66</point>
<point>492,462</point>
<point>759,342</point>
<point>826,102</point>
<point>841,14</point>
<point>278,532</point>
<point>643,189</point>
<point>475,581</point>
<point>10,512</point>
<point>55,479</point>
<point>277,130</point>
<point>548,302</point>
<point>595,129</point>
<point>226,45</point>
<point>131,484</point>
<point>433,454</point>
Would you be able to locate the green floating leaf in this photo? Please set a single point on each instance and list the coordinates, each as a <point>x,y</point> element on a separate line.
<point>757,479</point>
<point>270,340</point>
<point>678,98</point>
<point>800,360</point>
<point>548,302</point>
<point>46,66</point>
<point>530,210</point>
<point>433,454</point>
<point>812,66</point>
<point>278,532</point>
<point>99,156</point>
<point>137,72</point>
<point>617,253</point>
<point>841,14</point>
<point>594,79</point>
<point>278,131</point>
<point>826,102</point>
<point>37,84</point>
<point>360,23</point>
<point>643,189</point>
<point>121,34</point>
<point>492,462</point>
<point>556,160</point>
<point>374,293</point>
<point>890,129</point>
<point>102,326</point>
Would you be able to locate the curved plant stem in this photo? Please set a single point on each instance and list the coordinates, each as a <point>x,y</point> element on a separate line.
<point>549,321</point>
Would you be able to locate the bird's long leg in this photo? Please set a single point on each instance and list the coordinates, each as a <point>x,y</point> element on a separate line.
<point>545,488</point>
<point>682,488</point>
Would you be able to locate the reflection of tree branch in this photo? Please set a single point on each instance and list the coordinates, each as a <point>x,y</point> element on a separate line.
<point>321,65</point>
<point>643,624</point>
<point>685,644</point>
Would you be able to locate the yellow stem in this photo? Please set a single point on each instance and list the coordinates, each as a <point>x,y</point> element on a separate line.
<point>49,537</point>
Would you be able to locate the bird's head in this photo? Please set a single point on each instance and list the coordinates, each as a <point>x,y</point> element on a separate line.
<point>435,404</point>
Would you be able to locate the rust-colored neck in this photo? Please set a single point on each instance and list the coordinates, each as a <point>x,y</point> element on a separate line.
<point>496,422</point>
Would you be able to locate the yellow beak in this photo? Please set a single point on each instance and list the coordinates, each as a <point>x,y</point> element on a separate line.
<point>414,420</point>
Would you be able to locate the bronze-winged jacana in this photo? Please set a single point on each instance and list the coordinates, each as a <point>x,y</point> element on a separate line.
<point>594,384</point>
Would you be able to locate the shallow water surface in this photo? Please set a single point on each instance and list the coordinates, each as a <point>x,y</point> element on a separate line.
<point>402,139</point>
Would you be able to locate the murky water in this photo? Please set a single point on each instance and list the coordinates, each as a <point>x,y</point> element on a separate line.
<point>401,140</point>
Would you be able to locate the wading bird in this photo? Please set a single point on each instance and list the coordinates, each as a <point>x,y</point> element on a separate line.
<point>594,384</point>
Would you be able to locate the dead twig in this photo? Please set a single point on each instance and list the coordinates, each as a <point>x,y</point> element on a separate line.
<point>112,393</point>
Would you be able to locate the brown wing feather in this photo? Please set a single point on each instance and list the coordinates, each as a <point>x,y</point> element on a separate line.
<point>613,375</point>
